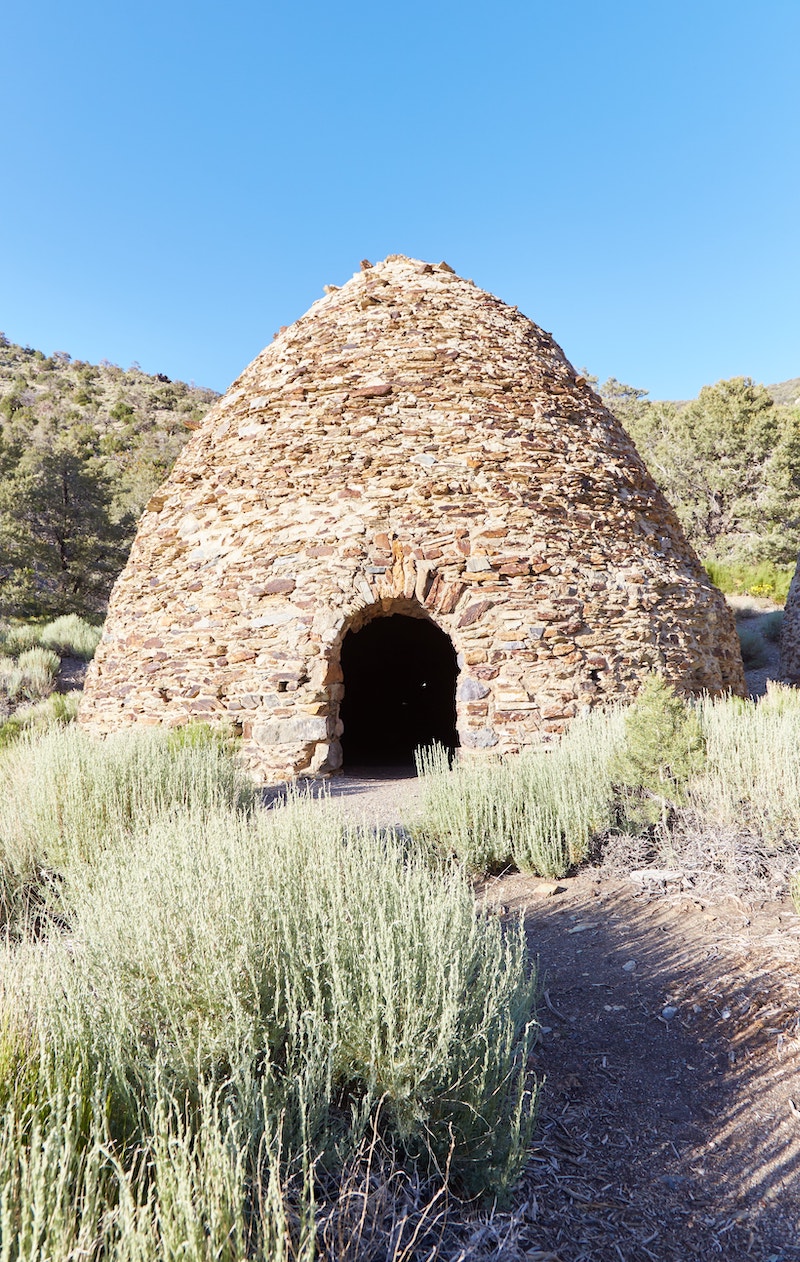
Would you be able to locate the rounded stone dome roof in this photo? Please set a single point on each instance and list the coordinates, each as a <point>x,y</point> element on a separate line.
<point>410,446</point>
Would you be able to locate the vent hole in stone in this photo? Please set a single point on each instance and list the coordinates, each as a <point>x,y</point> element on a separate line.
<point>399,692</point>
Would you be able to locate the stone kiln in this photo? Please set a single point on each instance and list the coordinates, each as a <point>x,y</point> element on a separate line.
<point>790,632</point>
<point>409,519</point>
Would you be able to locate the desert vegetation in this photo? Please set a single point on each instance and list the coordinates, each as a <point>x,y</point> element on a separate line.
<point>32,655</point>
<point>82,448</point>
<point>714,781</point>
<point>729,463</point>
<point>228,1030</point>
<point>208,1015</point>
<point>537,811</point>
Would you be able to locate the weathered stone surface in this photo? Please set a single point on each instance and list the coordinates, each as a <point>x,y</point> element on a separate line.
<point>411,445</point>
<point>483,738</point>
<point>790,632</point>
<point>471,690</point>
<point>288,731</point>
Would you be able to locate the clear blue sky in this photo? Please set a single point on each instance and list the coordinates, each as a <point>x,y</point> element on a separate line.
<point>181,178</point>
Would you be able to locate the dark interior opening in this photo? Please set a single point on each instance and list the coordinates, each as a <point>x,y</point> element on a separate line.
<point>399,691</point>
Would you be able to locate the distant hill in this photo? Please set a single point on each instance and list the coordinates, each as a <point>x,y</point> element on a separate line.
<point>142,420</point>
<point>82,448</point>
<point>786,392</point>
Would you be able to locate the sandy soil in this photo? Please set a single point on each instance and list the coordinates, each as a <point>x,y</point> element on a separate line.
<point>374,797</point>
<point>670,1123</point>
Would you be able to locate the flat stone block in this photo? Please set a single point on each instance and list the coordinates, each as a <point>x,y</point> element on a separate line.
<point>289,731</point>
<point>483,738</point>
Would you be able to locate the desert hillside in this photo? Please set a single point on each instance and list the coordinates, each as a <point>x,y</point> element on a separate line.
<point>82,447</point>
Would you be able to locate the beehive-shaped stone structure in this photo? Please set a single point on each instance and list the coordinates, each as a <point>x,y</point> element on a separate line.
<point>409,519</point>
<point>790,632</point>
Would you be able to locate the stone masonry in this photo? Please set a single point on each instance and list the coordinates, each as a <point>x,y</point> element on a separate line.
<point>411,445</point>
<point>790,632</point>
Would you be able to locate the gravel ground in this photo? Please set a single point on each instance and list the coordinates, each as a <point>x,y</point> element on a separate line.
<point>377,797</point>
<point>752,612</point>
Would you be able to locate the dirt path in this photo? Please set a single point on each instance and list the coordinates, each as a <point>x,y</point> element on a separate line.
<point>374,797</point>
<point>670,1125</point>
<point>752,613</point>
<point>670,1052</point>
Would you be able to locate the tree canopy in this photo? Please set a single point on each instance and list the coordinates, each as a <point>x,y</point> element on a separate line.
<point>728,462</point>
<point>61,541</point>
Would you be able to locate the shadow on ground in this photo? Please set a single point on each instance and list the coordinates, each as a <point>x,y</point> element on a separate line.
<point>670,1115</point>
<point>670,1055</point>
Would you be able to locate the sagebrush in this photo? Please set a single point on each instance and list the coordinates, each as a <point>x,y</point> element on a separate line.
<point>664,769</point>
<point>206,1006</point>
<point>537,811</point>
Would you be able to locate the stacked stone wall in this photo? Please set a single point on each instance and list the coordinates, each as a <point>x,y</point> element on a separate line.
<point>790,632</point>
<point>410,445</point>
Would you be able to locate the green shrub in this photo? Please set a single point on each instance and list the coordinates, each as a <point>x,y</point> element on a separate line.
<point>772,625</point>
<point>750,782</point>
<point>323,986</point>
<point>71,636</point>
<point>764,579</point>
<point>754,652</point>
<point>18,637</point>
<point>65,796</point>
<point>55,711</point>
<point>17,1052</point>
<point>39,667</point>
<point>234,1003</point>
<point>68,1196</point>
<point>662,748</point>
<point>196,1191</point>
<point>39,660</point>
<point>722,769</point>
<point>31,676</point>
<point>537,811</point>
<point>10,678</point>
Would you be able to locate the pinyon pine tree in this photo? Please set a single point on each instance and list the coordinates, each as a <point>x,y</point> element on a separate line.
<point>663,747</point>
<point>61,545</point>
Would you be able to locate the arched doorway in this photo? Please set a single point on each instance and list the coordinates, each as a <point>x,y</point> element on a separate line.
<point>399,691</point>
